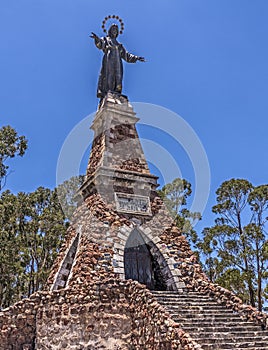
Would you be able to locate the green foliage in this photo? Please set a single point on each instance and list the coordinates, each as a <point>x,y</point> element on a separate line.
<point>10,265</point>
<point>32,227</point>
<point>11,145</point>
<point>236,248</point>
<point>234,280</point>
<point>175,196</point>
<point>68,194</point>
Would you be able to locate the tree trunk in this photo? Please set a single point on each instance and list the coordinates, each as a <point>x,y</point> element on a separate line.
<point>249,278</point>
<point>259,278</point>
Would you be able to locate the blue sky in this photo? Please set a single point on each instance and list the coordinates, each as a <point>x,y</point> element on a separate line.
<point>206,61</point>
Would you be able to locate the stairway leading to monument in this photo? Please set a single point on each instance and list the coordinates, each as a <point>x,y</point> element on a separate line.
<point>210,324</point>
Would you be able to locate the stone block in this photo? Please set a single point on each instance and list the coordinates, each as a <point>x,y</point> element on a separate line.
<point>123,236</point>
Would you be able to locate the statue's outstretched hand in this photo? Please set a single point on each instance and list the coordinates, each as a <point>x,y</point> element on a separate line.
<point>142,59</point>
<point>94,36</point>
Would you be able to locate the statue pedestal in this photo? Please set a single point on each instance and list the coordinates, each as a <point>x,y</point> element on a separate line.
<point>117,163</point>
<point>119,205</point>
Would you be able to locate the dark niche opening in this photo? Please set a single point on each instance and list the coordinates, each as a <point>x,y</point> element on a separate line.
<point>65,270</point>
<point>141,265</point>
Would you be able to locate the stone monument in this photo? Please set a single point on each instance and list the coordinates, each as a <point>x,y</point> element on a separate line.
<point>125,277</point>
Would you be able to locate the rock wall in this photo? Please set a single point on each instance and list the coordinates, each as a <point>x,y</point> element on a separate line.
<point>94,318</point>
<point>17,325</point>
<point>104,237</point>
<point>112,314</point>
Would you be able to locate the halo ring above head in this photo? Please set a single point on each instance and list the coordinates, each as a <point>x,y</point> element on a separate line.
<point>115,18</point>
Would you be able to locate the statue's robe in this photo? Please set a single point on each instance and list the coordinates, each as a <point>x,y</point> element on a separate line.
<point>111,75</point>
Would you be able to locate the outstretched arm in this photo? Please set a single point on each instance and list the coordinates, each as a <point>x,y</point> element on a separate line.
<point>142,59</point>
<point>98,41</point>
<point>129,57</point>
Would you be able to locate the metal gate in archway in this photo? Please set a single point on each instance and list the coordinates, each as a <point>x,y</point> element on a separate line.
<point>138,260</point>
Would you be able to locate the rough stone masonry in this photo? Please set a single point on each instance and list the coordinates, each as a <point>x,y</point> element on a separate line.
<point>121,245</point>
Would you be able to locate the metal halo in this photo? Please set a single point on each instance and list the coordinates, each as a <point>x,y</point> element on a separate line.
<point>113,17</point>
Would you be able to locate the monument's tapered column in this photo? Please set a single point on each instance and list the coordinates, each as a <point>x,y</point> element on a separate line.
<point>117,228</point>
<point>117,163</point>
<point>116,143</point>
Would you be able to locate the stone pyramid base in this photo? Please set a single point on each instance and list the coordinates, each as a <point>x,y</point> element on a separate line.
<point>112,314</point>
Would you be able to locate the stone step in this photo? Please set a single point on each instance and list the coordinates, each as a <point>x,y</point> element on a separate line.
<point>181,295</point>
<point>212,325</point>
<point>190,306</point>
<point>199,316</point>
<point>211,328</point>
<point>194,304</point>
<point>184,297</point>
<point>230,339</point>
<point>229,335</point>
<point>189,301</point>
<point>169,292</point>
<point>225,335</point>
<point>209,317</point>
<point>232,347</point>
<point>249,346</point>
<point>210,331</point>
<point>223,322</point>
<point>199,309</point>
<point>231,343</point>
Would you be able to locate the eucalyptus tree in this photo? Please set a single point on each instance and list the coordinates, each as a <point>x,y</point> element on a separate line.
<point>175,195</point>
<point>11,145</point>
<point>32,228</point>
<point>236,248</point>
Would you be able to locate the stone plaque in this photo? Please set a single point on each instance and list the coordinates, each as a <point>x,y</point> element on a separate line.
<point>131,203</point>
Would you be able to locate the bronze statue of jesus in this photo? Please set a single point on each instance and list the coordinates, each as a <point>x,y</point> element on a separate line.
<point>111,75</point>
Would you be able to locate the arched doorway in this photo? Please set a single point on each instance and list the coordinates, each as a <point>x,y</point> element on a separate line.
<point>138,261</point>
